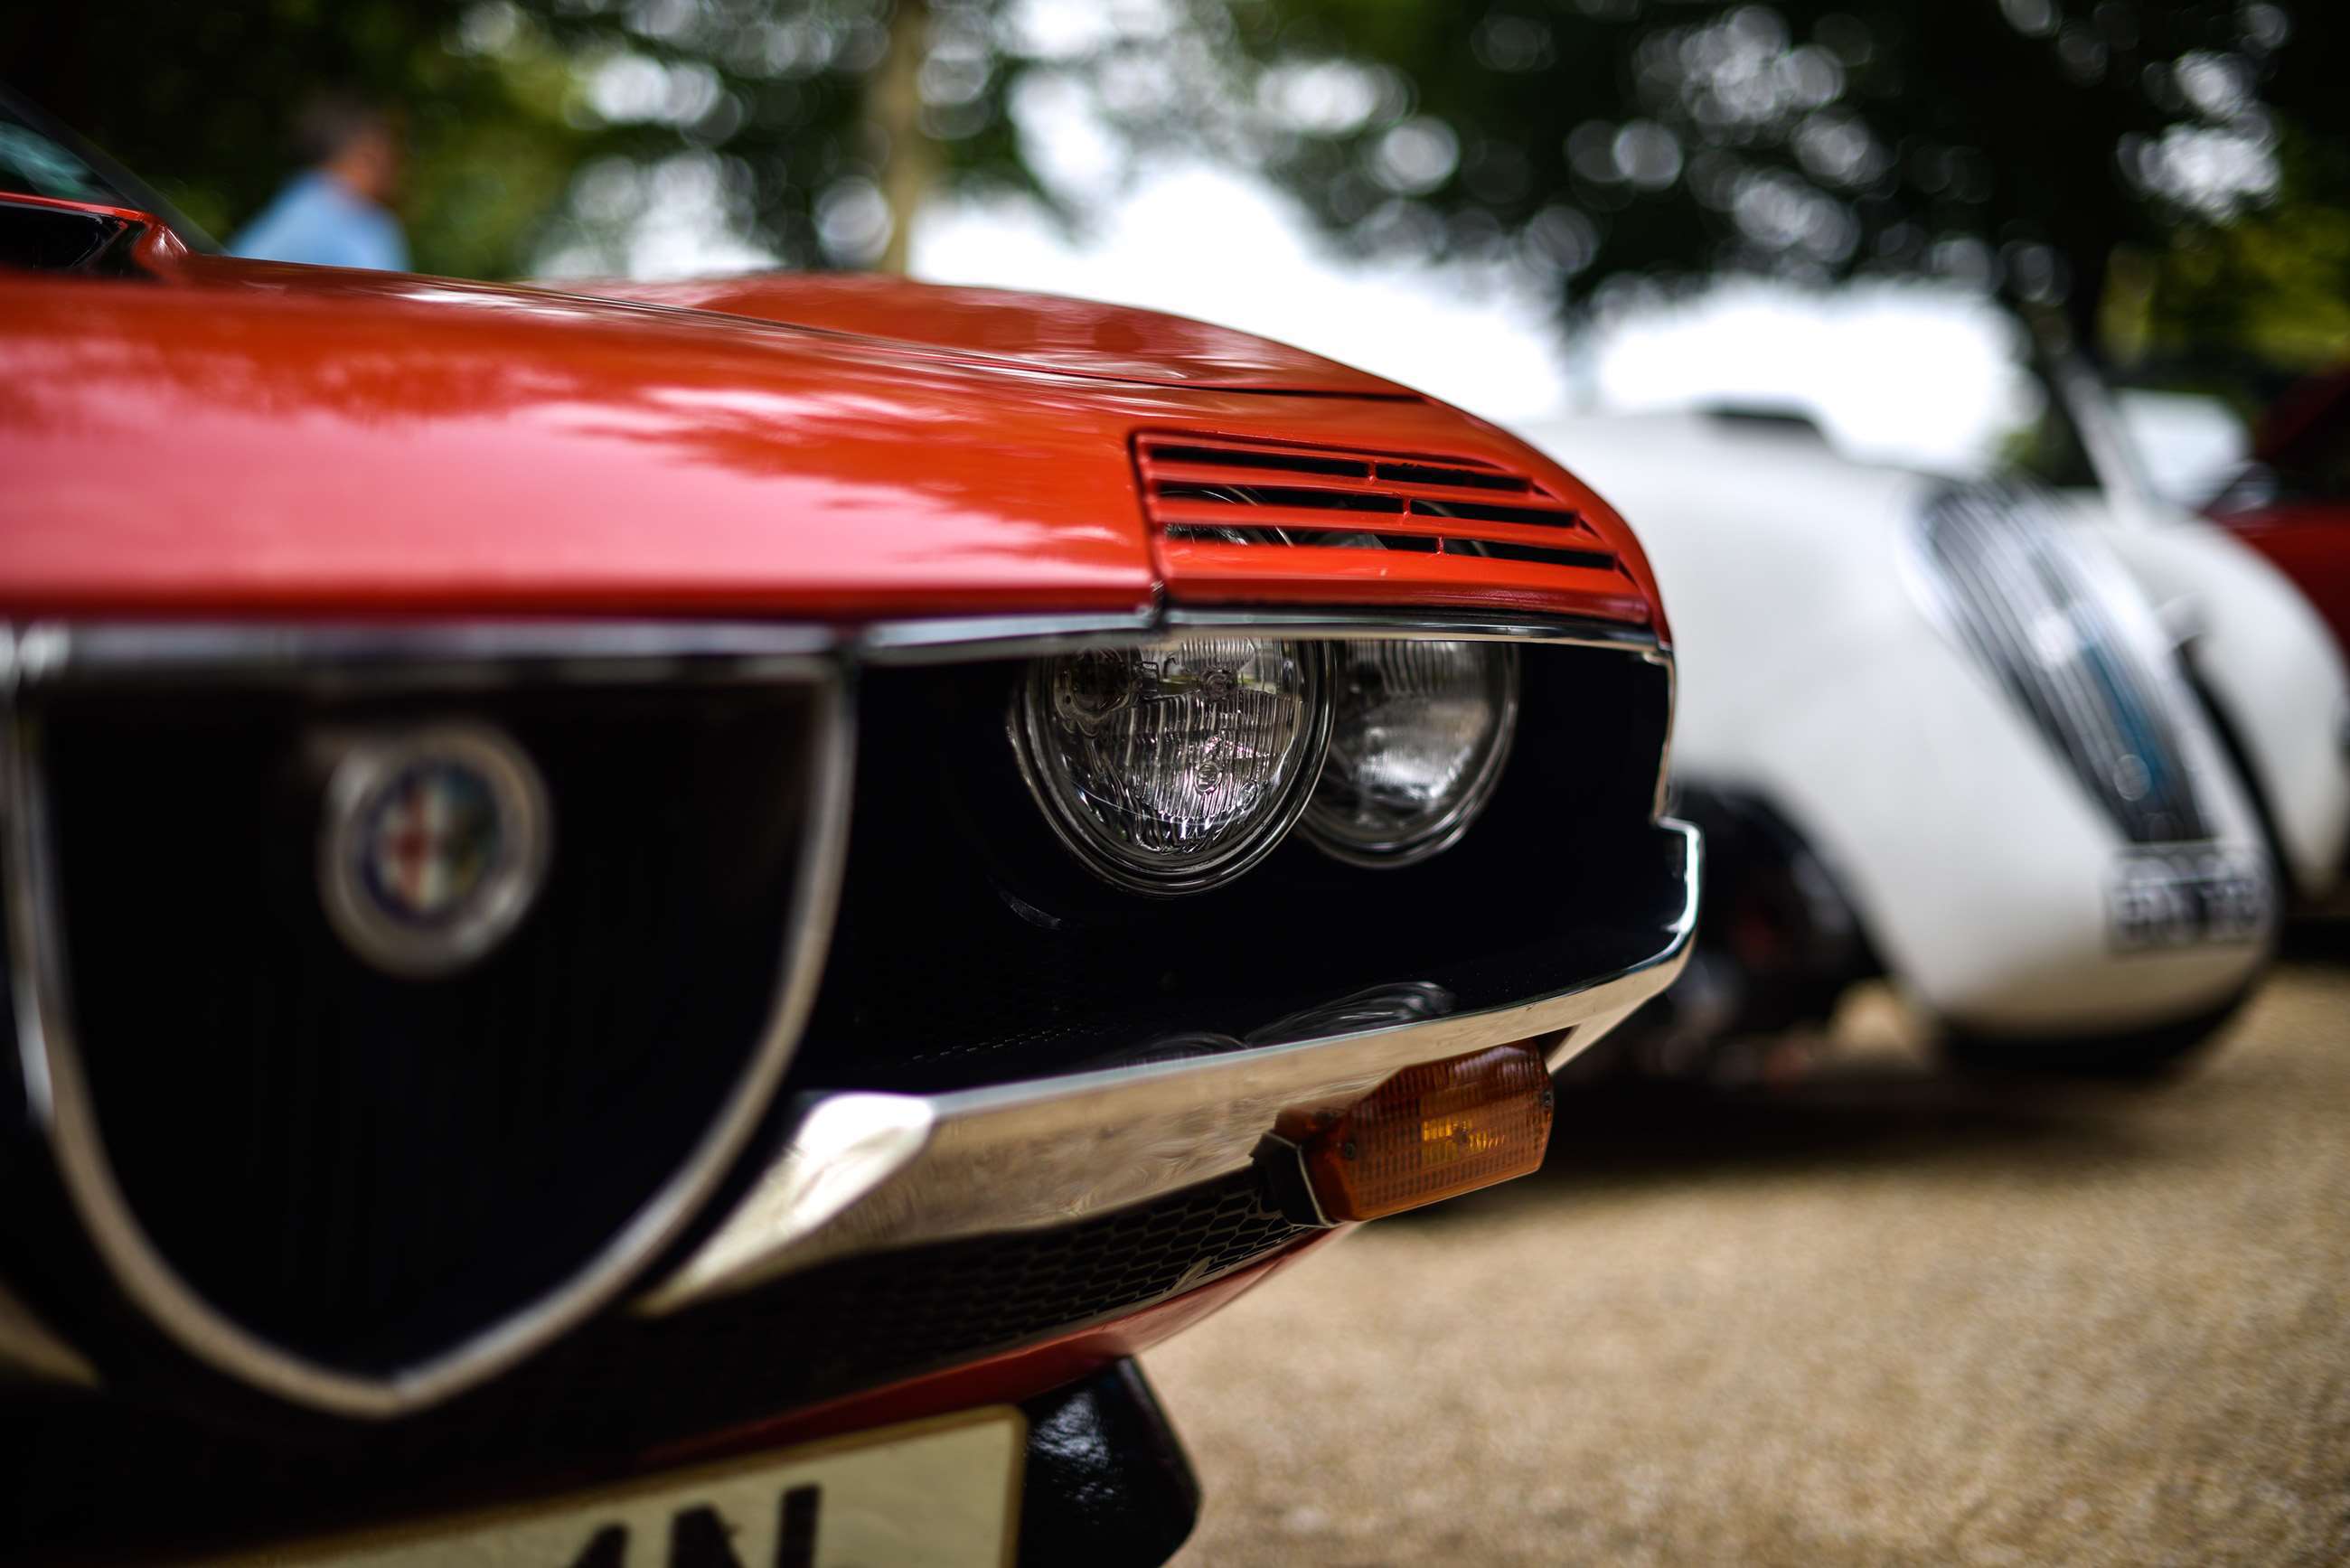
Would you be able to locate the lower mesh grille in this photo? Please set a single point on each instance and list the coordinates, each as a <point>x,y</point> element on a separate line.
<point>2027,606</point>
<point>629,1386</point>
<point>868,1321</point>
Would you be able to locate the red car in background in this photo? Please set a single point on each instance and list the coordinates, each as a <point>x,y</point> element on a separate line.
<point>2291,502</point>
<point>664,923</point>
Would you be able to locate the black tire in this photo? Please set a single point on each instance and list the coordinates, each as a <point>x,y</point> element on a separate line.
<point>2140,1056</point>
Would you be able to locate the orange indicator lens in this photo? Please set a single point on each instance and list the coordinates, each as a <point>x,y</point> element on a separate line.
<point>1430,1132</point>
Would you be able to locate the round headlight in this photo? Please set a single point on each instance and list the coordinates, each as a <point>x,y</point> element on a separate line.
<point>1418,738</point>
<point>1173,767</point>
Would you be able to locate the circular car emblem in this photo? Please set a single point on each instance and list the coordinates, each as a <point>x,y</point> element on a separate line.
<point>435,842</point>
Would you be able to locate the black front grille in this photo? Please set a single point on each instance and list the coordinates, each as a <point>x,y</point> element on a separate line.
<point>2028,607</point>
<point>629,1386</point>
<point>365,1168</point>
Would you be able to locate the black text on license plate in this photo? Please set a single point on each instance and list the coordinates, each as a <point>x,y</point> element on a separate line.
<point>941,1493</point>
<point>2188,897</point>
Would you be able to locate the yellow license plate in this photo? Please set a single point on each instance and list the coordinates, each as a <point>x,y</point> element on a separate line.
<point>942,1494</point>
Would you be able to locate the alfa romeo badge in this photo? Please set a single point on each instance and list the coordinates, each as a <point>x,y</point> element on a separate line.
<point>434,844</point>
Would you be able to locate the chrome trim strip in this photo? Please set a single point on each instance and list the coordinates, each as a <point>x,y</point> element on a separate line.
<point>503,652</point>
<point>116,651</point>
<point>1446,625</point>
<point>1027,637</point>
<point>1671,666</point>
<point>867,1172</point>
<point>497,653</point>
<point>994,637</point>
<point>59,1095</point>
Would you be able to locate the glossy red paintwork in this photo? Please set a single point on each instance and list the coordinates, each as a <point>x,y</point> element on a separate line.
<point>250,437</point>
<point>2305,444</point>
<point>1037,331</point>
<point>2310,542</point>
<point>126,214</point>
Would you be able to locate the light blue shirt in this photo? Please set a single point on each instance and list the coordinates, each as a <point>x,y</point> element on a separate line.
<point>318,219</point>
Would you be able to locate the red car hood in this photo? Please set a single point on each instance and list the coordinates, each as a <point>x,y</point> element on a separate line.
<point>1035,331</point>
<point>241,436</point>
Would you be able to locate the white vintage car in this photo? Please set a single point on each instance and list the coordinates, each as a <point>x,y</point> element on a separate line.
<point>2054,761</point>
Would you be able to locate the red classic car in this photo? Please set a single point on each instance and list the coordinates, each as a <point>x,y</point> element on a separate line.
<point>665,923</point>
<point>2291,502</point>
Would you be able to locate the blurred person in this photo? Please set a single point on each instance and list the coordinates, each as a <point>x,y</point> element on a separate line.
<point>337,211</point>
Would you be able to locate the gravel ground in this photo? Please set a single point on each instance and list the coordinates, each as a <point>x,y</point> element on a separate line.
<point>1878,1316</point>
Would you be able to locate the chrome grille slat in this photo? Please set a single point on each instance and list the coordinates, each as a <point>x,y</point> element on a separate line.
<point>2013,583</point>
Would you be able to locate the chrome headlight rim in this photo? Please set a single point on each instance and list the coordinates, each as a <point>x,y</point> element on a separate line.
<point>1091,849</point>
<point>1449,827</point>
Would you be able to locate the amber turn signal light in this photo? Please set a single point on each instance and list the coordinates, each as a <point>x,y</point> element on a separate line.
<point>1430,1132</point>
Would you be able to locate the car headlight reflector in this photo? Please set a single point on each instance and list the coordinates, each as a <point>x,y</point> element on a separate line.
<point>1174,765</point>
<point>1418,734</point>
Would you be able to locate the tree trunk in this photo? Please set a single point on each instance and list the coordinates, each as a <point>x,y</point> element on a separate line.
<point>2084,306</point>
<point>910,166</point>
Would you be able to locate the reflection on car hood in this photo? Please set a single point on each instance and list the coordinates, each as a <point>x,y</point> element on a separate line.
<point>1076,336</point>
<point>248,436</point>
<point>979,327</point>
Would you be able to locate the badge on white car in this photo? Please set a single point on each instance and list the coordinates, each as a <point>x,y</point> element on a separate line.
<point>2189,895</point>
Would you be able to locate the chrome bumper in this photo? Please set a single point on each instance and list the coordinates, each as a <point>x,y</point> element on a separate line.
<point>871,1172</point>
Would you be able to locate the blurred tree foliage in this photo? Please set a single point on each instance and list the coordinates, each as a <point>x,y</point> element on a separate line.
<point>1622,146</point>
<point>198,98</point>
<point>2194,155</point>
<point>2271,280</point>
<point>541,129</point>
